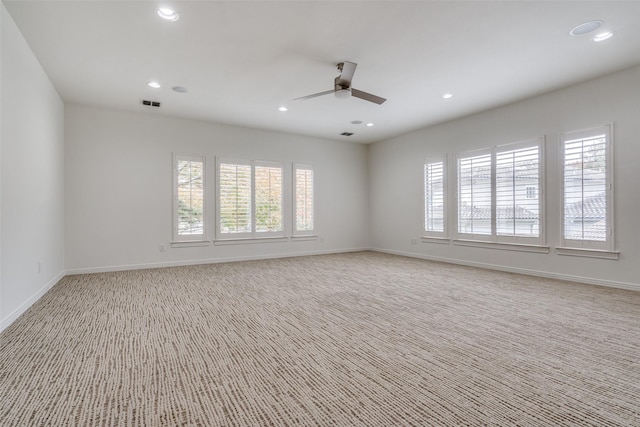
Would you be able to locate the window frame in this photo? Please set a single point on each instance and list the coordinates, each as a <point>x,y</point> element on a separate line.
<point>494,237</point>
<point>445,220</point>
<point>587,247</point>
<point>294,218</point>
<point>176,236</point>
<point>253,234</point>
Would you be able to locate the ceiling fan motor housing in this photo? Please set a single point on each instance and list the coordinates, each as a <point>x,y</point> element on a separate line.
<point>342,88</point>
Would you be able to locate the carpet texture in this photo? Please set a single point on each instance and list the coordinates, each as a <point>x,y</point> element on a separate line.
<point>360,339</point>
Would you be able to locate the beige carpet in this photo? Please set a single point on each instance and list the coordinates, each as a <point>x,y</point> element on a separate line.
<point>362,339</point>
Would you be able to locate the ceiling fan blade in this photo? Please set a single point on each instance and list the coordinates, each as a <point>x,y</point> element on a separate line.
<point>346,75</point>
<point>326,92</point>
<point>367,96</point>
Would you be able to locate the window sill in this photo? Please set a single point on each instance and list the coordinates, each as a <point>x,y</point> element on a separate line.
<point>304,238</point>
<point>503,246</point>
<point>244,241</point>
<point>191,244</point>
<point>433,239</point>
<point>588,253</point>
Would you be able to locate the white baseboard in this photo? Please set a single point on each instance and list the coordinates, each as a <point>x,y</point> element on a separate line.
<point>528,272</point>
<point>4,323</point>
<point>71,272</point>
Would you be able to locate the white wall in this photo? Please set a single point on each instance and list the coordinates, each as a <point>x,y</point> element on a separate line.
<point>118,188</point>
<point>32,177</point>
<point>396,179</point>
<point>90,189</point>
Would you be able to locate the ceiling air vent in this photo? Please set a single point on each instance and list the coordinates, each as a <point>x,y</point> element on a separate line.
<point>346,133</point>
<point>150,103</point>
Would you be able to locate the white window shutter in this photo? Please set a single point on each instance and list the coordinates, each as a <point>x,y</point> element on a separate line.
<point>474,195</point>
<point>189,209</point>
<point>434,198</point>
<point>250,199</point>
<point>234,198</point>
<point>304,199</point>
<point>517,192</point>
<point>499,194</point>
<point>587,196</point>
<point>268,199</point>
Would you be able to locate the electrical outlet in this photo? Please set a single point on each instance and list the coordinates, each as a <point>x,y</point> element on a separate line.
<point>163,248</point>
<point>414,241</point>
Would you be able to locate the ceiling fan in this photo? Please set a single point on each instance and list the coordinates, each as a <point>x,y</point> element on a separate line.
<point>342,86</point>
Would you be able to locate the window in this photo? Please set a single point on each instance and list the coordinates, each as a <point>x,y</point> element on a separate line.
<point>234,198</point>
<point>587,189</point>
<point>499,194</point>
<point>474,195</point>
<point>517,189</point>
<point>303,200</point>
<point>434,199</point>
<point>250,199</point>
<point>268,198</point>
<point>189,203</point>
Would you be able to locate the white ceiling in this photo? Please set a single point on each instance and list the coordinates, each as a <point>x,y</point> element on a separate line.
<point>241,60</point>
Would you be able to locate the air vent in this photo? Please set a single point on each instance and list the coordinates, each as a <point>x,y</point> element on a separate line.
<point>346,133</point>
<point>150,103</point>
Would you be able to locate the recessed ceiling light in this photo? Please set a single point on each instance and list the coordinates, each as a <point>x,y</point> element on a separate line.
<point>369,124</point>
<point>586,28</point>
<point>283,109</point>
<point>602,36</point>
<point>179,89</point>
<point>447,95</point>
<point>154,85</point>
<point>168,14</point>
<point>356,122</point>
